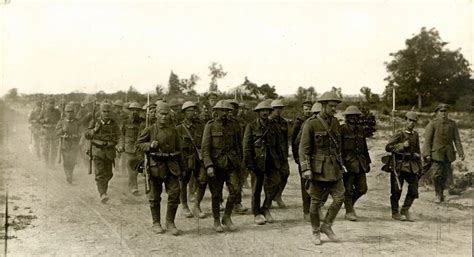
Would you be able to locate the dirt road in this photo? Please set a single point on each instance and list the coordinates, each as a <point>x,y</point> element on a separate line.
<point>69,220</point>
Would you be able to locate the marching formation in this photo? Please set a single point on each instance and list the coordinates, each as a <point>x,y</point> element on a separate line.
<point>191,146</point>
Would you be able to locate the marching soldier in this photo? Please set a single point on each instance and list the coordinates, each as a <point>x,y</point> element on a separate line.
<point>69,132</point>
<point>295,141</point>
<point>35,127</point>
<point>263,158</point>
<point>128,136</point>
<point>48,119</point>
<point>356,160</point>
<point>405,148</point>
<point>222,160</point>
<point>321,165</point>
<point>163,144</point>
<point>85,115</point>
<point>190,131</point>
<point>282,125</point>
<point>243,172</point>
<point>440,136</point>
<point>103,134</point>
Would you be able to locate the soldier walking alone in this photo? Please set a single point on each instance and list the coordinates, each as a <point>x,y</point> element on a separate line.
<point>441,135</point>
<point>321,165</point>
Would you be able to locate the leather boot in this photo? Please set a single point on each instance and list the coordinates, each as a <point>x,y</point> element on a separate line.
<point>217,225</point>
<point>186,212</point>
<point>240,209</point>
<point>326,229</point>
<point>170,216</point>
<point>227,222</point>
<point>197,211</point>
<point>316,238</point>
<point>406,206</point>
<point>350,214</point>
<point>156,219</point>
<point>268,215</point>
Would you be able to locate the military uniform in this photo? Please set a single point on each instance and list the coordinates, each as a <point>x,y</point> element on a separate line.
<point>128,137</point>
<point>187,130</point>
<point>284,171</point>
<point>407,166</point>
<point>48,120</point>
<point>356,158</point>
<point>441,135</point>
<point>35,128</point>
<point>69,132</point>
<point>221,152</point>
<point>166,167</point>
<point>263,157</point>
<point>104,136</point>
<point>320,158</point>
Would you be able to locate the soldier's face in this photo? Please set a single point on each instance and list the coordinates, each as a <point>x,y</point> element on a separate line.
<point>411,124</point>
<point>190,113</point>
<point>307,110</point>
<point>277,111</point>
<point>50,106</point>
<point>163,116</point>
<point>222,114</point>
<point>212,101</point>
<point>134,113</point>
<point>352,119</point>
<point>330,108</point>
<point>443,114</point>
<point>263,114</point>
<point>105,114</point>
<point>69,114</point>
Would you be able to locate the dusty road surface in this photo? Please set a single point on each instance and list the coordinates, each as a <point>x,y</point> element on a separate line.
<point>51,218</point>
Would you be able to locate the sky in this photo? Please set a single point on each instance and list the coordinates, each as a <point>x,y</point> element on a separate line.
<point>70,45</point>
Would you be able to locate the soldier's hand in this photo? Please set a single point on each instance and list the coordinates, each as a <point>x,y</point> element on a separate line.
<point>210,172</point>
<point>97,127</point>
<point>406,144</point>
<point>154,144</point>
<point>119,148</point>
<point>428,158</point>
<point>307,174</point>
<point>461,156</point>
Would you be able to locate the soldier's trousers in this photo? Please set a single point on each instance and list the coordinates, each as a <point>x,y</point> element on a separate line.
<point>171,183</point>
<point>355,185</point>
<point>284,172</point>
<point>396,193</point>
<point>199,177</point>
<point>50,149</point>
<point>269,180</point>
<point>304,194</point>
<point>231,179</point>
<point>442,175</point>
<point>69,161</point>
<point>319,192</point>
<point>132,173</point>
<point>103,174</point>
<point>201,183</point>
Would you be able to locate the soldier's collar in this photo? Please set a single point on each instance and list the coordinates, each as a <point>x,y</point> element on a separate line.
<point>408,131</point>
<point>105,122</point>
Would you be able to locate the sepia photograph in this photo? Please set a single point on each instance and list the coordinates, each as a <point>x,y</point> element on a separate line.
<point>236,128</point>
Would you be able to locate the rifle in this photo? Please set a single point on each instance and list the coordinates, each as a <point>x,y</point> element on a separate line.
<point>194,143</point>
<point>90,146</point>
<point>146,162</point>
<point>60,150</point>
<point>394,161</point>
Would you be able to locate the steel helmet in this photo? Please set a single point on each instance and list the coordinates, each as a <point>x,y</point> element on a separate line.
<point>277,103</point>
<point>223,104</point>
<point>352,110</point>
<point>329,96</point>
<point>188,104</point>
<point>263,105</point>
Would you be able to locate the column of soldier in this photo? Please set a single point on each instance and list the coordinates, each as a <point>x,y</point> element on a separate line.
<point>182,148</point>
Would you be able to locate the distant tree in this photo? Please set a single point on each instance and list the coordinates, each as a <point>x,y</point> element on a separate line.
<point>216,72</point>
<point>338,91</point>
<point>159,91</point>
<point>187,85</point>
<point>174,85</point>
<point>426,71</point>
<point>367,93</point>
<point>268,91</point>
<point>12,94</point>
<point>252,88</point>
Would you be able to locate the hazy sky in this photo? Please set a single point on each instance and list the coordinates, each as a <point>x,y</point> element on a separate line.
<point>63,46</point>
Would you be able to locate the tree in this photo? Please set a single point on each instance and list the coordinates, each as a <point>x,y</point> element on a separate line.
<point>251,87</point>
<point>426,70</point>
<point>174,85</point>
<point>306,93</point>
<point>159,91</point>
<point>187,85</point>
<point>216,72</point>
<point>268,91</point>
<point>12,94</point>
<point>338,91</point>
<point>367,93</point>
